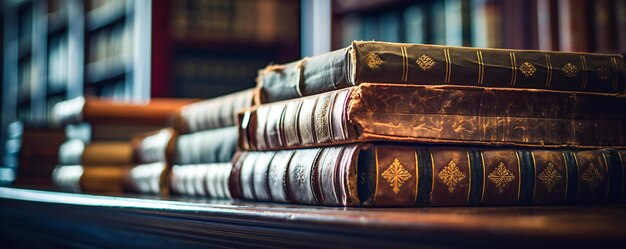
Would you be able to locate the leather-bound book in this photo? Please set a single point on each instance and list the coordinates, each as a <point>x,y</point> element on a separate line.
<point>208,180</point>
<point>437,114</point>
<point>209,146</point>
<point>154,146</point>
<point>413,175</point>
<point>212,113</point>
<point>153,159</point>
<point>156,112</point>
<point>109,179</point>
<point>415,64</point>
<point>107,153</point>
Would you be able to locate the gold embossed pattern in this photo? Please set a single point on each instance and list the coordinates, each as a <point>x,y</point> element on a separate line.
<point>396,175</point>
<point>527,69</point>
<point>570,70</point>
<point>549,177</point>
<point>603,72</point>
<point>501,177</point>
<point>592,177</point>
<point>373,60</point>
<point>425,62</point>
<point>451,176</point>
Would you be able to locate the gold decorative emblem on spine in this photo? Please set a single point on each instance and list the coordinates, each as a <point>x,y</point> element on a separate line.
<point>396,175</point>
<point>405,64</point>
<point>481,67</point>
<point>614,63</point>
<point>603,72</point>
<point>592,177</point>
<point>451,176</point>
<point>501,176</point>
<point>425,62</point>
<point>373,60</point>
<point>527,69</point>
<point>446,54</point>
<point>583,62</point>
<point>570,70</point>
<point>549,66</point>
<point>549,176</point>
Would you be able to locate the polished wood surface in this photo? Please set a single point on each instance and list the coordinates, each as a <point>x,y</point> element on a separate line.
<point>88,220</point>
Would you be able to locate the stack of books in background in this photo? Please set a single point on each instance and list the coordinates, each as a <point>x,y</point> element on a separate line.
<point>390,124</point>
<point>31,154</point>
<point>206,144</point>
<point>98,156</point>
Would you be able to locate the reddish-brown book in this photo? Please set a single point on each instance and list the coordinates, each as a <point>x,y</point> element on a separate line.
<point>437,114</point>
<point>416,64</point>
<point>413,175</point>
<point>107,112</point>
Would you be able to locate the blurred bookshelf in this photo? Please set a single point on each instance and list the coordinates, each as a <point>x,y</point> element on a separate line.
<point>207,48</point>
<point>130,51</point>
<point>565,25</point>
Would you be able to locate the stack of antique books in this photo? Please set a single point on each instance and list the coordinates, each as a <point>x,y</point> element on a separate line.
<point>206,142</point>
<point>98,156</point>
<point>389,124</point>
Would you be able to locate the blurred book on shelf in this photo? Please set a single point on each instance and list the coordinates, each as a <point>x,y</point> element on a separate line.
<point>565,25</point>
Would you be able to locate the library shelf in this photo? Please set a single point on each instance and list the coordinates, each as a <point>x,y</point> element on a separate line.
<point>66,219</point>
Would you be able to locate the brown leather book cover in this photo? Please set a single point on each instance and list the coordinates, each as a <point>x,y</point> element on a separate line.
<point>413,175</point>
<point>212,113</point>
<point>438,115</point>
<point>108,153</point>
<point>417,64</point>
<point>101,111</point>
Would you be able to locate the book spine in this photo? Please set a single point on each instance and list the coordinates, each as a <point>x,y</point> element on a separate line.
<point>305,77</point>
<point>315,120</point>
<point>212,114</point>
<point>404,175</point>
<point>70,152</point>
<point>317,176</point>
<point>108,153</point>
<point>152,147</point>
<point>209,180</point>
<point>67,177</point>
<point>146,178</point>
<point>451,114</point>
<point>210,146</point>
<point>415,64</point>
<point>435,65</point>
